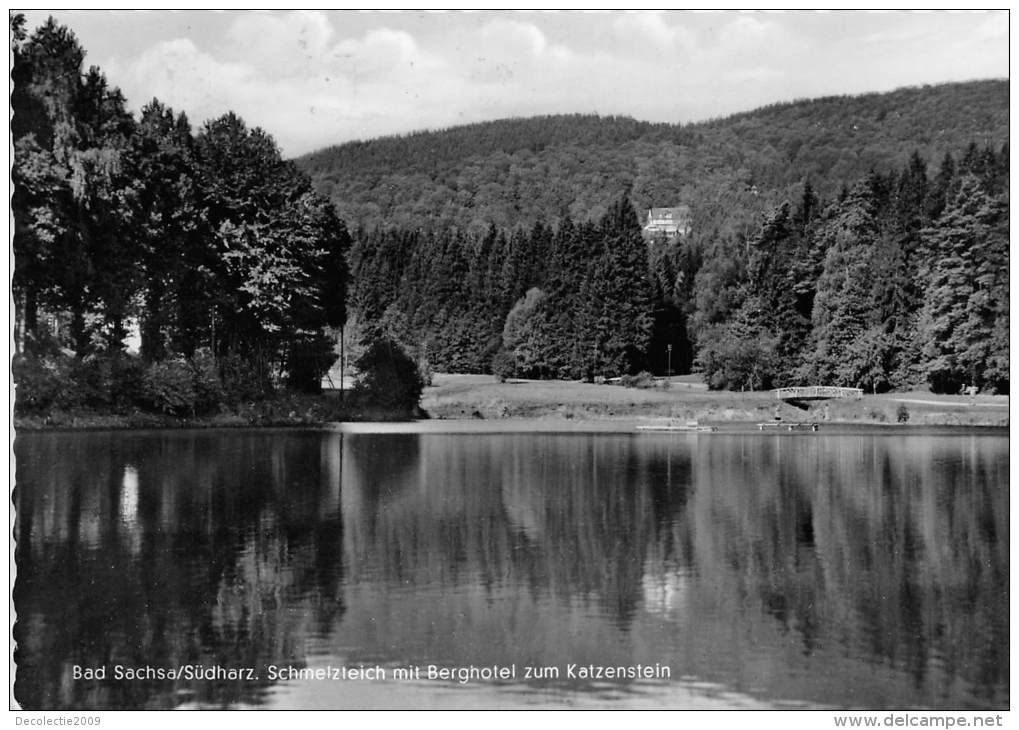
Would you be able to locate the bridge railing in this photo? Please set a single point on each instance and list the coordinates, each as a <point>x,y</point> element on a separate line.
<point>817,391</point>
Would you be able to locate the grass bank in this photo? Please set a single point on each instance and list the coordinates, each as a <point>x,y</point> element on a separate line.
<point>483,397</point>
<point>287,409</point>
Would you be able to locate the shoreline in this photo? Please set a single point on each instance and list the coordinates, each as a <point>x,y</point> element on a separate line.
<point>284,412</point>
<point>539,425</point>
<point>562,406</point>
<point>685,399</point>
<point>629,426</point>
<point>552,422</point>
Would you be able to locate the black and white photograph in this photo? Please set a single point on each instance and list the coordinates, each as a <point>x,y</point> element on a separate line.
<point>510,360</point>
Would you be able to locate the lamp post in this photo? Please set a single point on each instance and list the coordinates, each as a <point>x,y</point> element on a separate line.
<point>668,349</point>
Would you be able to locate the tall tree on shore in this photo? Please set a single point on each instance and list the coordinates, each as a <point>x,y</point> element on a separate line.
<point>48,261</point>
<point>176,263</point>
<point>964,320</point>
<point>901,299</point>
<point>103,188</point>
<point>623,280</point>
<point>73,198</point>
<point>848,346</point>
<point>272,245</point>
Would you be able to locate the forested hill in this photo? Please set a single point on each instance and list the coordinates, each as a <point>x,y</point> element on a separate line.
<point>516,171</point>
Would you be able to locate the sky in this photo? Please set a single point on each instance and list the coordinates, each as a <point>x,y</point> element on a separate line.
<point>318,77</point>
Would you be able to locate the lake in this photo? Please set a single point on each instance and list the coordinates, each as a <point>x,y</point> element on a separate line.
<point>861,569</point>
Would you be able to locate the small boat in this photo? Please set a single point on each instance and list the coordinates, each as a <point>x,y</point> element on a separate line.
<point>788,425</point>
<point>672,425</point>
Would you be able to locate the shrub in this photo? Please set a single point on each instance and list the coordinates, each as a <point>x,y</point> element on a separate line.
<point>503,365</point>
<point>389,377</point>
<point>308,360</point>
<point>732,358</point>
<point>109,381</point>
<point>91,378</point>
<point>242,379</point>
<point>120,378</point>
<point>169,387</point>
<point>208,386</point>
<point>60,382</point>
<point>44,383</point>
<point>640,380</point>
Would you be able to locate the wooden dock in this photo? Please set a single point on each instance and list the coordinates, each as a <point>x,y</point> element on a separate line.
<point>688,427</point>
<point>787,426</point>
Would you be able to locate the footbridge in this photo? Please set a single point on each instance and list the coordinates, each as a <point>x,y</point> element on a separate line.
<point>816,392</point>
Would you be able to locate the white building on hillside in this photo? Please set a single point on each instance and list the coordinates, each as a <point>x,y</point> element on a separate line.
<point>670,221</point>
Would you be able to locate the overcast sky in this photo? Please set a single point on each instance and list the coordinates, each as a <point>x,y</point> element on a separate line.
<point>314,78</point>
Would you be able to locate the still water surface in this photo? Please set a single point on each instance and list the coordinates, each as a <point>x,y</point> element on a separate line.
<point>857,570</point>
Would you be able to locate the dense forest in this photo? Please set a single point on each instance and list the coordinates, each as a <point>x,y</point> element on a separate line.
<point>217,247</point>
<point>573,302</point>
<point>520,171</point>
<point>857,241</point>
<point>900,280</point>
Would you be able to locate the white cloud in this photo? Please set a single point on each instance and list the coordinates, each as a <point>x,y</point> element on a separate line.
<point>749,40</point>
<point>316,78</point>
<point>652,33</point>
<point>504,52</point>
<point>283,74</point>
<point>380,53</point>
<point>502,37</point>
<point>182,76</point>
<point>279,45</point>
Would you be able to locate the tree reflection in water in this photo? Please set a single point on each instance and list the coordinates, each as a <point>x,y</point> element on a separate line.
<point>229,554</point>
<point>855,571</point>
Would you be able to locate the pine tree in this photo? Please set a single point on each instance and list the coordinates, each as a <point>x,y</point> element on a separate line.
<point>624,283</point>
<point>904,297</point>
<point>846,309</point>
<point>762,344</point>
<point>965,311</point>
<point>515,277</point>
<point>941,188</point>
